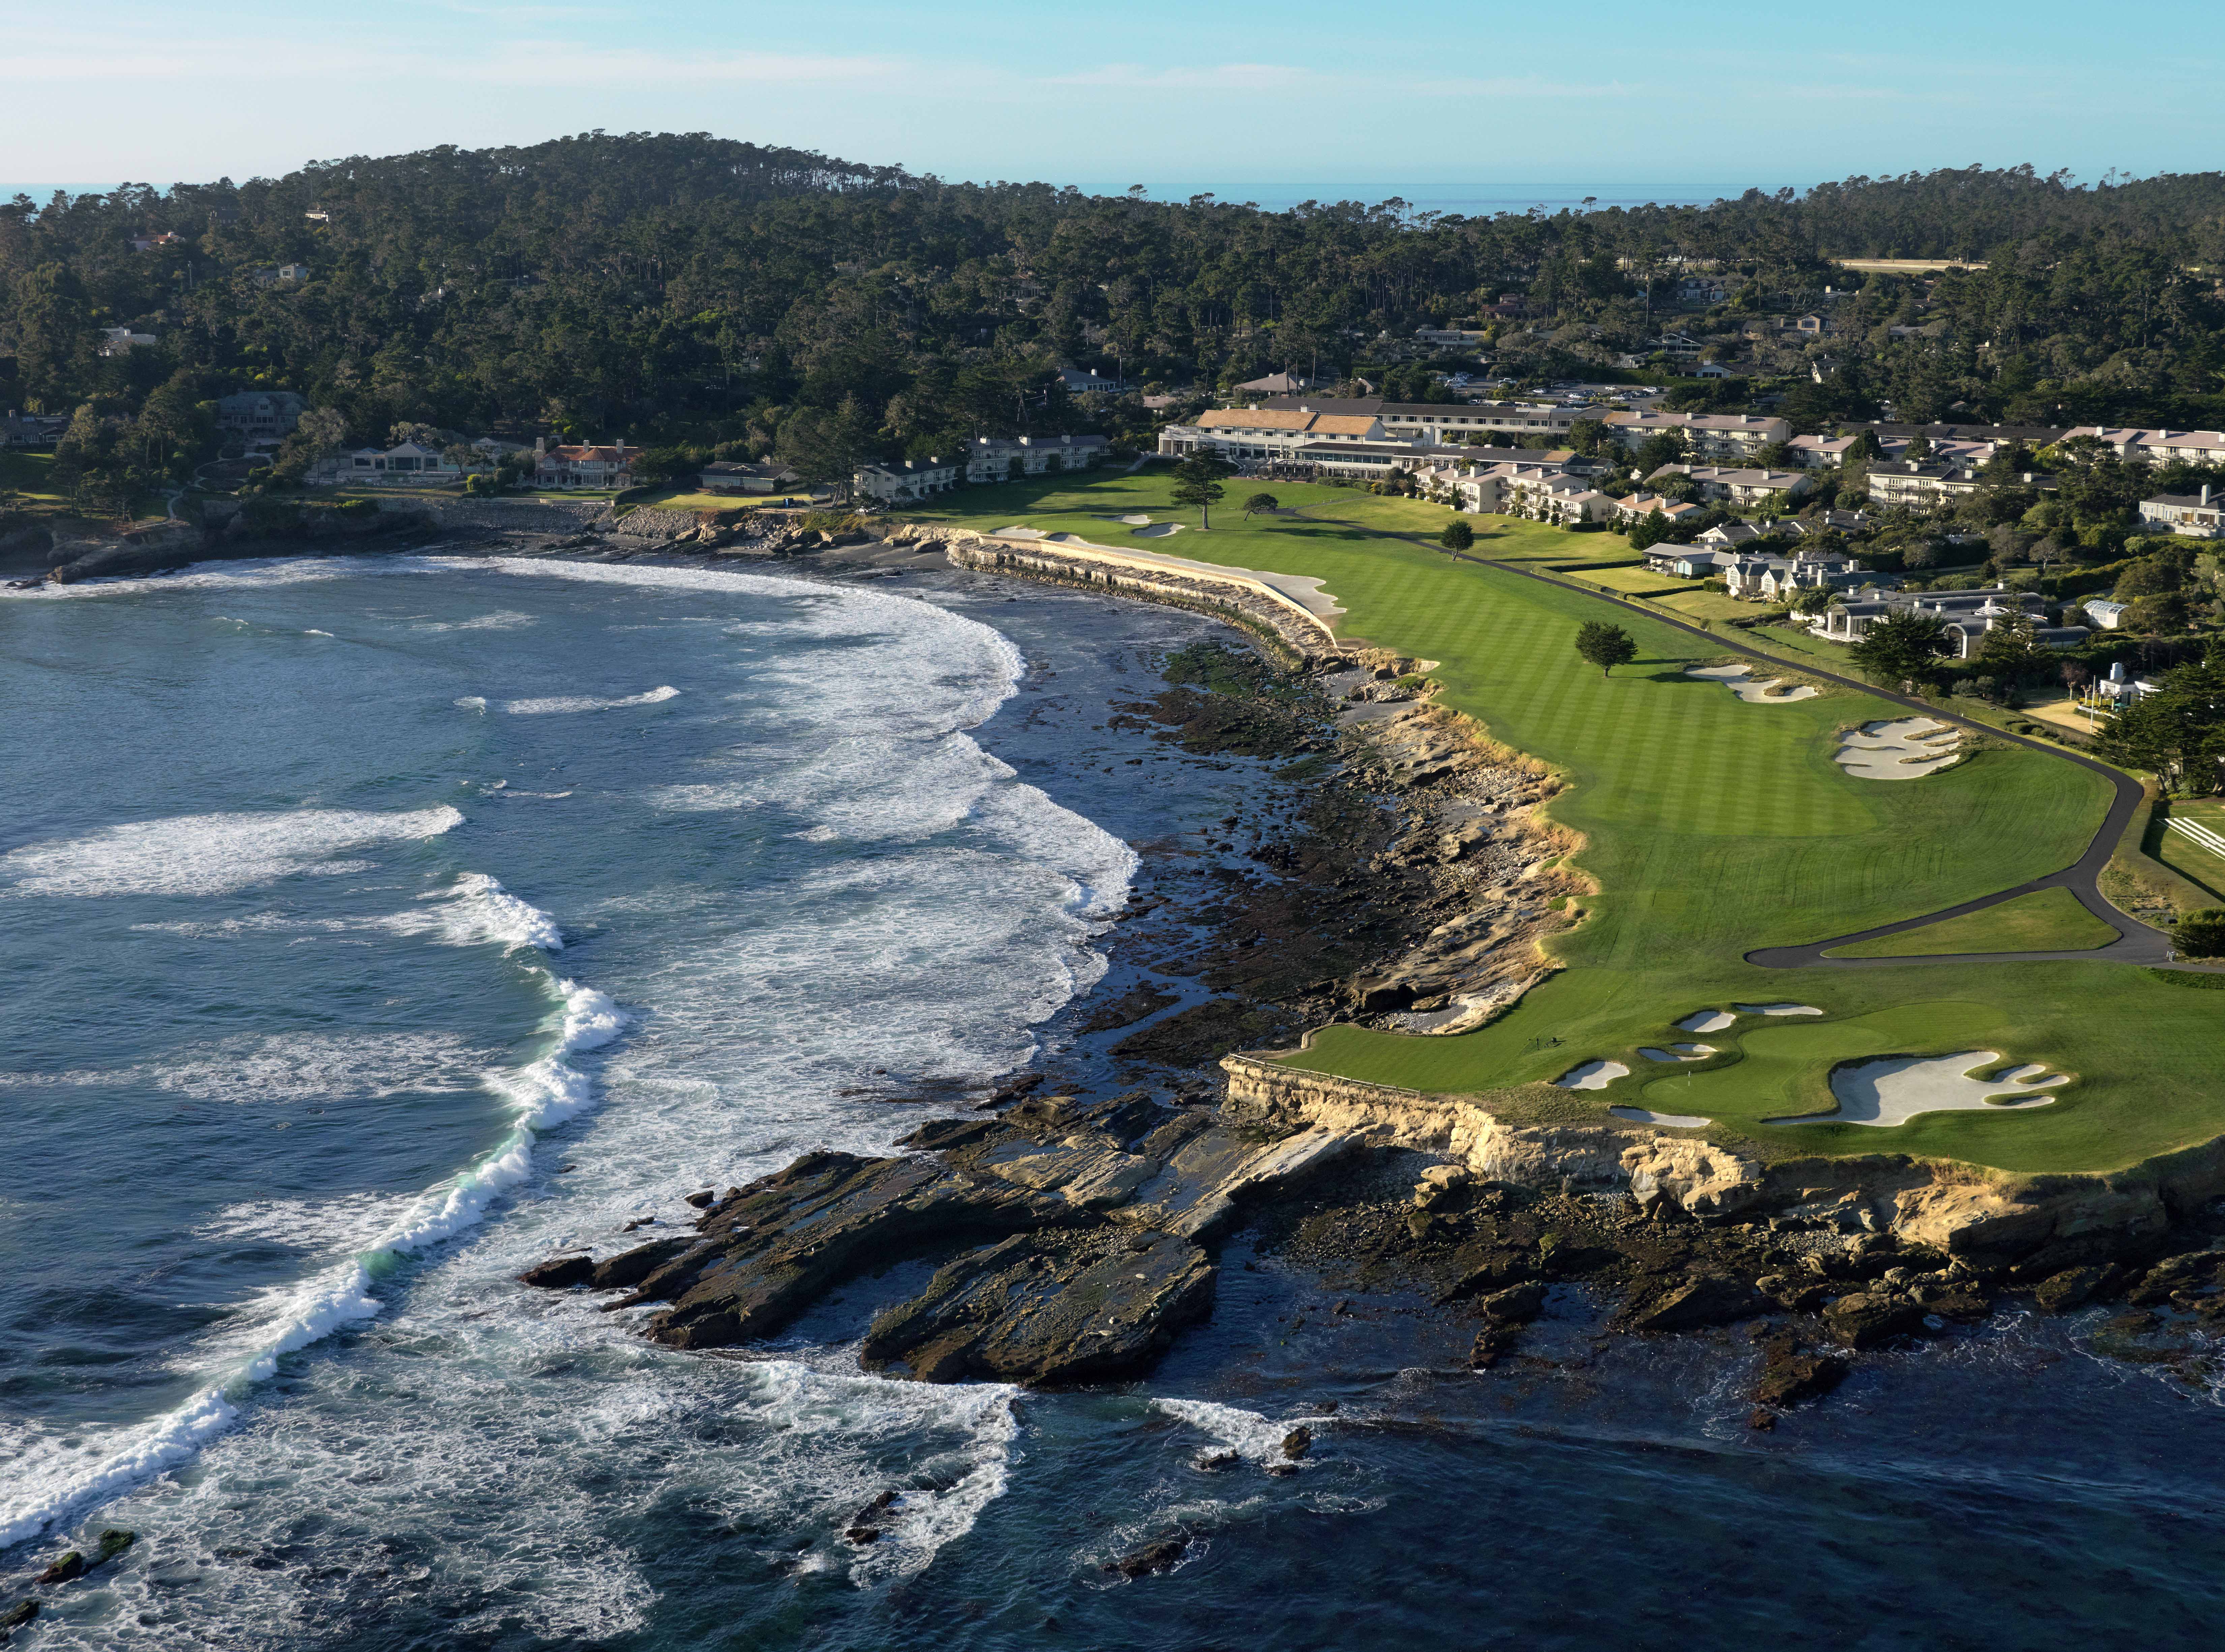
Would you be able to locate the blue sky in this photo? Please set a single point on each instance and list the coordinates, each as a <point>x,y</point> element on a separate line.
<point>1328,98</point>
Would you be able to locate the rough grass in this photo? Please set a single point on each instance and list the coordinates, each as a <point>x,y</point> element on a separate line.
<point>1714,827</point>
<point>2050,920</point>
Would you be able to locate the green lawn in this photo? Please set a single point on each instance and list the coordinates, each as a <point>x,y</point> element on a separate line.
<point>1713,826</point>
<point>29,474</point>
<point>1700,603</point>
<point>2050,921</point>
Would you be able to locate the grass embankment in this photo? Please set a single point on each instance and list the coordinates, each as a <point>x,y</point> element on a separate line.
<point>1714,827</point>
<point>2050,920</point>
<point>2187,855</point>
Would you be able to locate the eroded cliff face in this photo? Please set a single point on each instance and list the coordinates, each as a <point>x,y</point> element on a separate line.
<point>1964,1211</point>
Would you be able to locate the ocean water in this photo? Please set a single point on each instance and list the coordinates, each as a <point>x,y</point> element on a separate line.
<point>375,927</point>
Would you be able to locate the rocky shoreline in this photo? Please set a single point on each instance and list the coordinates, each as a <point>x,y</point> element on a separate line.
<point>1073,1234</point>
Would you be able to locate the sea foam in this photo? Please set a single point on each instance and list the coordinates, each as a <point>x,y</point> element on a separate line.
<point>210,854</point>
<point>586,702</point>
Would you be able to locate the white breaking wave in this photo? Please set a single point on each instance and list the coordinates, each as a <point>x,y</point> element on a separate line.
<point>211,854</point>
<point>540,1096</point>
<point>584,702</point>
<point>1258,1438</point>
<point>476,909</point>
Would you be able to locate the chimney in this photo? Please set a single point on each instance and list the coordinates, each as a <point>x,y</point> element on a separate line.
<point>541,444</point>
<point>2205,493</point>
<point>621,446</point>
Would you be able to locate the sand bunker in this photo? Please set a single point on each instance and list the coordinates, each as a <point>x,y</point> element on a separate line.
<point>1593,1075</point>
<point>1777,1010</point>
<point>1754,694</point>
<point>1673,1121</point>
<point>1136,521</point>
<point>1021,533</point>
<point>1707,1020</point>
<point>1896,1090</point>
<point>1907,748</point>
<point>1679,1052</point>
<point>1158,530</point>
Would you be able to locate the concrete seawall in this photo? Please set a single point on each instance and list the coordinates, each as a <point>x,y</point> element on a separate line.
<point>1246,602</point>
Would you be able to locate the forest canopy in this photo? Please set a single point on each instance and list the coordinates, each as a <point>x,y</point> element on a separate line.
<point>690,289</point>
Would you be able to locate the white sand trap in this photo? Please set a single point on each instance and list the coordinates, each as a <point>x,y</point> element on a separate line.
<point>1673,1121</point>
<point>1907,748</point>
<point>1707,1020</point>
<point>1679,1052</point>
<point>1159,530</point>
<point>1593,1075</point>
<point>1777,1010</point>
<point>1895,1090</point>
<point>1754,694</point>
<point>1136,521</point>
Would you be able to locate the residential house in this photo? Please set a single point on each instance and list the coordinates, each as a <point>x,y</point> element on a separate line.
<point>739,476</point>
<point>1809,570</point>
<point>596,466</point>
<point>2196,515</point>
<point>2156,447</point>
<point>2121,689</point>
<point>148,243</point>
<point>122,340</point>
<point>991,459</point>
<point>1450,338</point>
<point>1554,496</point>
<point>31,430</point>
<point>1686,562</point>
<point>1701,290</point>
<point>1723,485</point>
<point>1848,620</point>
<point>1635,509</point>
<point>1816,327</point>
<point>261,415</point>
<point>1079,382</point>
<point>1272,385</point>
<point>2105,614</point>
<point>1710,435</point>
<point>405,462</point>
<point>1677,347</point>
<point>1820,453</point>
<point>913,480</point>
<point>1966,634</point>
<point>1925,484</point>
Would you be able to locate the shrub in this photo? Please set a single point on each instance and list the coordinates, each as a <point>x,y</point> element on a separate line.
<point>2200,934</point>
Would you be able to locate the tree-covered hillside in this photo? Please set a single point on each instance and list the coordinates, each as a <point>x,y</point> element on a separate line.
<point>686,287</point>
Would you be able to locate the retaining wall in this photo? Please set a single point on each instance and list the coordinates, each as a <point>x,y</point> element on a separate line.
<point>1256,606</point>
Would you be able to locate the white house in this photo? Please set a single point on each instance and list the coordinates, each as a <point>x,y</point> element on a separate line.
<point>1711,435</point>
<point>991,459</point>
<point>912,479</point>
<point>1741,487</point>
<point>2196,515</point>
<point>407,461</point>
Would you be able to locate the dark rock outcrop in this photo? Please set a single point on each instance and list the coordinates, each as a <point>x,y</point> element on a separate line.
<point>558,1273</point>
<point>1864,1319</point>
<point>1162,1555</point>
<point>1048,1307</point>
<point>1069,1237</point>
<point>1710,1299</point>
